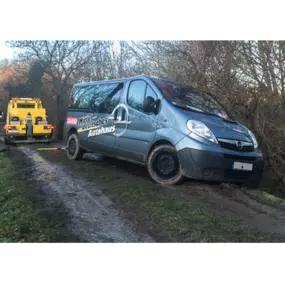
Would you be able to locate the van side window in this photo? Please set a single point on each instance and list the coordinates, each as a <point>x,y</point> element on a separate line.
<point>138,90</point>
<point>136,94</point>
<point>81,97</point>
<point>150,93</point>
<point>106,97</point>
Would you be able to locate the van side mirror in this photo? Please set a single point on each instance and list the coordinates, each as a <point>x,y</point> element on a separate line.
<point>150,105</point>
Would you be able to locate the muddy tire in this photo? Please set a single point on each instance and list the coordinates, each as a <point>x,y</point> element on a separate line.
<point>74,151</point>
<point>163,165</point>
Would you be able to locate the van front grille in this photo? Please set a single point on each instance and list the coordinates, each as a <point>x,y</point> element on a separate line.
<point>236,145</point>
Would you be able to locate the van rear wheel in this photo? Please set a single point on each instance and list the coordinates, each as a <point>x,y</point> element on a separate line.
<point>163,165</point>
<point>74,151</point>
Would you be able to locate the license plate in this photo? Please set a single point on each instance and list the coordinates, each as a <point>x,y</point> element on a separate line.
<point>242,166</point>
<point>13,131</point>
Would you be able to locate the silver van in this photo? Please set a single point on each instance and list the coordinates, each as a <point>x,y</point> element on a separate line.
<point>174,130</point>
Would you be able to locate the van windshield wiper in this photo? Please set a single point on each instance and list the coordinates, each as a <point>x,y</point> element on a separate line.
<point>187,107</point>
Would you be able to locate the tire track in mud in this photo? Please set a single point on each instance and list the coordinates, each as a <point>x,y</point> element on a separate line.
<point>93,216</point>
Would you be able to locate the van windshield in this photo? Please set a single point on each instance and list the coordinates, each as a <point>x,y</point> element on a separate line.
<point>186,97</point>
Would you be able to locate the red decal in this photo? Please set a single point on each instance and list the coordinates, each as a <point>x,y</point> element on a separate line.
<point>71,121</point>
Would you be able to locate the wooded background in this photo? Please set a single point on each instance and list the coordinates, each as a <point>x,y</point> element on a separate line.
<point>247,77</point>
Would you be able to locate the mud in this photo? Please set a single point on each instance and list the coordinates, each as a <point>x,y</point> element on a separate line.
<point>93,216</point>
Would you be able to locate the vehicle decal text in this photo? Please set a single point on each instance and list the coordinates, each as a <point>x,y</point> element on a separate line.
<point>101,131</point>
<point>88,123</point>
<point>112,123</point>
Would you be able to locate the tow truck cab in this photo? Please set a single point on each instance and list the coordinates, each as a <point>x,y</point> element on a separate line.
<point>27,121</point>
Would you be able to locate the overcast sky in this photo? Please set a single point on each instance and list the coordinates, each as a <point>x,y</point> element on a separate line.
<point>5,51</point>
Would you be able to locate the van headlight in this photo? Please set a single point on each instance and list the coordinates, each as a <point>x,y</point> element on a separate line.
<point>201,130</point>
<point>255,143</point>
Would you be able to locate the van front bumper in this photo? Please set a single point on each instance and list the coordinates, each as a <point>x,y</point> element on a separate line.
<point>217,166</point>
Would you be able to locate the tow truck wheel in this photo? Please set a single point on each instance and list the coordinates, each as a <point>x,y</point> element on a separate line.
<point>6,140</point>
<point>74,151</point>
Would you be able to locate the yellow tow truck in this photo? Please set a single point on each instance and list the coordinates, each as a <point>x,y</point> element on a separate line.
<point>26,122</point>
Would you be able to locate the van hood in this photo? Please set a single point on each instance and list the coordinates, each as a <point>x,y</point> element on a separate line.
<point>220,127</point>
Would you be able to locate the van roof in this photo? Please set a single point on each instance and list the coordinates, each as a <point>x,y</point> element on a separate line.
<point>143,76</point>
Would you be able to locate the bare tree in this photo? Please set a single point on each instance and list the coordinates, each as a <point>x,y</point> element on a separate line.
<point>61,60</point>
<point>247,77</point>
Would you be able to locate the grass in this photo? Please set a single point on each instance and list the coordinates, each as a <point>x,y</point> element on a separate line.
<point>159,211</point>
<point>1,147</point>
<point>266,198</point>
<point>20,220</point>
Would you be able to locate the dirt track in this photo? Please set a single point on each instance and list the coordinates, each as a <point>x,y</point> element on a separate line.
<point>95,218</point>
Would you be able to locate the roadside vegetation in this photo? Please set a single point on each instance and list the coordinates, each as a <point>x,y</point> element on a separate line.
<point>24,216</point>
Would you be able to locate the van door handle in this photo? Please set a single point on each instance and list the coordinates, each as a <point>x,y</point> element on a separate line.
<point>119,119</point>
<point>114,116</point>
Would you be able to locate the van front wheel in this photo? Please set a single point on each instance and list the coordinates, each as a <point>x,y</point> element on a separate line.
<point>163,165</point>
<point>73,150</point>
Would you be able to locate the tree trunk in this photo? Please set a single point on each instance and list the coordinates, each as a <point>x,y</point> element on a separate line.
<point>59,119</point>
<point>264,63</point>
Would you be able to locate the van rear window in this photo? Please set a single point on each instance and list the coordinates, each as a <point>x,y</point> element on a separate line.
<point>27,106</point>
<point>81,97</point>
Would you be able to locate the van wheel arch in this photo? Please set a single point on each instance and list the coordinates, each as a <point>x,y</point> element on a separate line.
<point>158,143</point>
<point>71,131</point>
